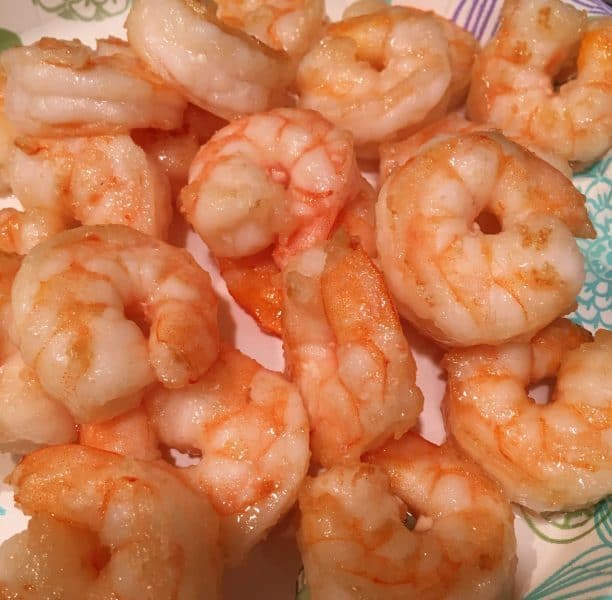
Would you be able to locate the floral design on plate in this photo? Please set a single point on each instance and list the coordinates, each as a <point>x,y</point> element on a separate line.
<point>595,298</point>
<point>8,39</point>
<point>84,10</point>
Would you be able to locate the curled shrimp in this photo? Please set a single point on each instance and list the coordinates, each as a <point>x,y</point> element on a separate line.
<point>547,457</point>
<point>59,87</point>
<point>250,428</point>
<point>218,67</point>
<point>395,154</point>
<point>346,350</point>
<point>125,529</point>
<point>95,180</point>
<point>382,74</point>
<point>255,282</point>
<point>458,284</point>
<point>101,312</point>
<point>517,73</point>
<point>288,25</point>
<point>7,136</point>
<point>418,522</point>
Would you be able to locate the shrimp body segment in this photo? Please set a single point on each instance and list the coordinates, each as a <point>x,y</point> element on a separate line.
<point>59,87</point>
<point>218,67</point>
<point>381,75</point>
<point>458,284</point>
<point>355,542</point>
<point>542,45</point>
<point>345,348</point>
<point>547,457</point>
<point>125,529</point>
<point>84,302</point>
<point>251,430</point>
<point>96,180</point>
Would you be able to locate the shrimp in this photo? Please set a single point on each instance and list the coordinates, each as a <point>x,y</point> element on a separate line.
<point>215,66</point>
<point>345,348</point>
<point>125,529</point>
<point>96,180</point>
<point>463,286</point>
<point>384,74</point>
<point>7,136</point>
<point>418,521</point>
<point>251,430</point>
<point>174,151</point>
<point>20,231</point>
<point>288,25</point>
<point>516,79</point>
<point>255,282</point>
<point>547,457</point>
<point>395,154</point>
<point>9,266</point>
<point>59,87</point>
<point>102,312</point>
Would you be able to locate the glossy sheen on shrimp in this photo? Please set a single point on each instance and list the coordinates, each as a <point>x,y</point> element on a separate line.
<point>95,180</point>
<point>547,457</point>
<point>78,301</point>
<point>462,286</point>
<point>345,348</point>
<point>542,45</point>
<point>182,40</point>
<point>356,543</point>
<point>20,230</point>
<point>124,529</point>
<point>383,74</point>
<point>59,87</point>
<point>251,429</point>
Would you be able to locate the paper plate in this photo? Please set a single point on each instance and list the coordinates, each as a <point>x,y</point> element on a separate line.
<point>560,556</point>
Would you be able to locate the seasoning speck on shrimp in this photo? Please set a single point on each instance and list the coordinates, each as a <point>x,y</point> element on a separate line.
<point>458,284</point>
<point>345,348</point>
<point>418,522</point>
<point>107,526</point>
<point>542,45</point>
<point>547,457</point>
<point>101,312</point>
<point>218,67</point>
<point>251,429</point>
<point>59,87</point>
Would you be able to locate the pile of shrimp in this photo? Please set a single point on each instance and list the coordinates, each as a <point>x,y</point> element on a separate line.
<point>154,452</point>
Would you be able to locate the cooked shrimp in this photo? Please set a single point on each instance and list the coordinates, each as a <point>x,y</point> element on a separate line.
<point>255,282</point>
<point>383,74</point>
<point>78,301</point>
<point>395,154</point>
<point>420,522</point>
<point>289,25</point>
<point>20,231</point>
<point>515,79</point>
<point>547,457</point>
<point>174,151</point>
<point>6,137</point>
<point>59,87</point>
<point>345,348</point>
<point>129,434</point>
<point>9,265</point>
<point>278,178</point>
<point>96,180</point>
<point>251,429</point>
<point>124,529</point>
<point>458,284</point>
<point>219,68</point>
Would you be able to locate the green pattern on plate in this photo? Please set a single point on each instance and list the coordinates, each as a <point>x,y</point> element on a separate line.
<point>84,10</point>
<point>301,588</point>
<point>588,575</point>
<point>595,298</point>
<point>8,39</point>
